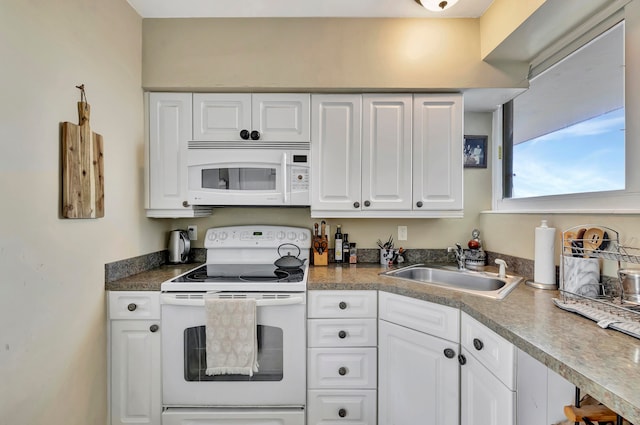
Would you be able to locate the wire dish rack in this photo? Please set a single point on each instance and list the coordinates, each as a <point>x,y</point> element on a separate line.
<point>607,312</point>
<point>601,302</point>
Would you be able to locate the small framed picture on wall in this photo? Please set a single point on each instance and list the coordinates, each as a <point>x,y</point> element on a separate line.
<point>475,151</point>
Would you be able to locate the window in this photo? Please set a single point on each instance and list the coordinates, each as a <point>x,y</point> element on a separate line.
<point>564,138</point>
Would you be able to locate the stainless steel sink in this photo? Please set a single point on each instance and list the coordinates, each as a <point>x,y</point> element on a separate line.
<point>485,283</point>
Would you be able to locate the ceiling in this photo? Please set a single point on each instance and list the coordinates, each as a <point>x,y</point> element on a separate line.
<point>302,8</point>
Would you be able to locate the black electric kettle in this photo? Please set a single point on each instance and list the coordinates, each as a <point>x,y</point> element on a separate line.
<point>179,246</point>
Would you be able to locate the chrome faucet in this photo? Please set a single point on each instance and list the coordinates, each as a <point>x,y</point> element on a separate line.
<point>459,252</point>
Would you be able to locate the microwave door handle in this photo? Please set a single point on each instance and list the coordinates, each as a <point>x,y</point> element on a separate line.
<point>285,178</point>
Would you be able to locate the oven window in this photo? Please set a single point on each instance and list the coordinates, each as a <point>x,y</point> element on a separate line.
<point>270,354</point>
<point>244,178</point>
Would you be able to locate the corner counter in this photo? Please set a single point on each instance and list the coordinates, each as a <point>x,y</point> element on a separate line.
<point>601,362</point>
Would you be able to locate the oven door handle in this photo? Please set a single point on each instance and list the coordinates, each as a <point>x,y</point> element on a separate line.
<point>199,302</point>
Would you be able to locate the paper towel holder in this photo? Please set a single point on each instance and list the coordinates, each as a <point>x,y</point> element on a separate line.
<point>539,285</point>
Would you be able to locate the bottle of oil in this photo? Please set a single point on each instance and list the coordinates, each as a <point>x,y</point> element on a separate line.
<point>337,250</point>
<point>345,247</point>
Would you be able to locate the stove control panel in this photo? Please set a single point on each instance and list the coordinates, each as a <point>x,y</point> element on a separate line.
<point>254,236</point>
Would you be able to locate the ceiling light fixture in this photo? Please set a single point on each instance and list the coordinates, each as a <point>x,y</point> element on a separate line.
<point>436,5</point>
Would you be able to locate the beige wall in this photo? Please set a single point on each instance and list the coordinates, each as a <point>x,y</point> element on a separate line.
<point>319,54</point>
<point>52,301</point>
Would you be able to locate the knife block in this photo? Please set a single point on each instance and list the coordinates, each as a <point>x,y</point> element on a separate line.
<point>320,259</point>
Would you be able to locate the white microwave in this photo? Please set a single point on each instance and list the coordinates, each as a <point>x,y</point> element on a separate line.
<point>247,176</point>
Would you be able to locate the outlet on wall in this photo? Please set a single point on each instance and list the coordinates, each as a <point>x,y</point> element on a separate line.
<point>192,231</point>
<point>402,233</point>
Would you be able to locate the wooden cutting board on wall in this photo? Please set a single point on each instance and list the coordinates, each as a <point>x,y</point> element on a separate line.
<point>82,168</point>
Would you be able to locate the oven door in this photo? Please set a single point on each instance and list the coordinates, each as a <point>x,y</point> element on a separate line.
<point>248,177</point>
<point>281,379</point>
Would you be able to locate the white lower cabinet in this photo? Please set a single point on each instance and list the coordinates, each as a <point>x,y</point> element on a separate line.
<point>418,373</point>
<point>542,393</point>
<point>484,400</point>
<point>135,386</point>
<point>487,376</point>
<point>342,358</point>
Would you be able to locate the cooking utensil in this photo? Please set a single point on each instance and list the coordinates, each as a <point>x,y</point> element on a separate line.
<point>594,239</point>
<point>630,284</point>
<point>82,167</point>
<point>323,229</point>
<point>289,261</point>
<point>315,229</point>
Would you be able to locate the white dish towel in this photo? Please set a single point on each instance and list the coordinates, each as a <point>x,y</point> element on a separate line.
<point>232,342</point>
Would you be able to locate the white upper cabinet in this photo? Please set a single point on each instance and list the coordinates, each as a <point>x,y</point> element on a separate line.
<point>335,152</point>
<point>386,155</point>
<point>169,131</point>
<point>386,152</point>
<point>437,152</point>
<point>268,117</point>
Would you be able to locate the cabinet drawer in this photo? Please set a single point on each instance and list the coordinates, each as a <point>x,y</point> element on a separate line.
<point>493,351</point>
<point>335,407</point>
<point>134,305</point>
<point>336,304</point>
<point>342,332</point>
<point>434,319</point>
<point>342,368</point>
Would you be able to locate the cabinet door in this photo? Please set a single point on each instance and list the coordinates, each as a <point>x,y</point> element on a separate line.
<point>437,152</point>
<point>484,400</point>
<point>281,117</point>
<point>335,152</point>
<point>417,382</point>
<point>221,116</point>
<point>135,372</point>
<point>386,152</point>
<point>169,133</point>
<point>542,393</point>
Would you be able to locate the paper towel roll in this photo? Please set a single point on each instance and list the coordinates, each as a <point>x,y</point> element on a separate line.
<point>544,266</point>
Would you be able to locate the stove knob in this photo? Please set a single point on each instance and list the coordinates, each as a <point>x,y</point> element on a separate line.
<point>302,236</point>
<point>291,235</point>
<point>223,236</point>
<point>212,236</point>
<point>281,235</point>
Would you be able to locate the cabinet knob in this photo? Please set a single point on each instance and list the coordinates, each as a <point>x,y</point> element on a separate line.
<point>132,307</point>
<point>244,134</point>
<point>462,359</point>
<point>367,203</point>
<point>185,204</point>
<point>255,135</point>
<point>419,204</point>
<point>342,334</point>
<point>342,413</point>
<point>342,371</point>
<point>356,204</point>
<point>342,305</point>
<point>154,328</point>
<point>478,344</point>
<point>449,353</point>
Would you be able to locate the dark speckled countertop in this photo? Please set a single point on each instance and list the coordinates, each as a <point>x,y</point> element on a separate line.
<point>602,362</point>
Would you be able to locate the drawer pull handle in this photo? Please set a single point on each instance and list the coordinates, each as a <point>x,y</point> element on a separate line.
<point>342,371</point>
<point>449,353</point>
<point>462,359</point>
<point>154,328</point>
<point>342,413</point>
<point>478,344</point>
<point>342,334</point>
<point>132,307</point>
<point>342,305</point>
